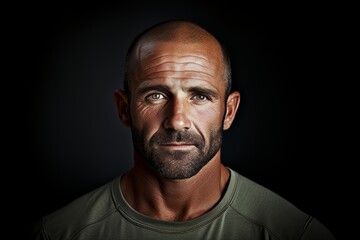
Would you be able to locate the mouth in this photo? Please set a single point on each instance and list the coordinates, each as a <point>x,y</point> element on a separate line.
<point>177,145</point>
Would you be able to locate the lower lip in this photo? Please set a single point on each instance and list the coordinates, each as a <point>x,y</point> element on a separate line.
<point>177,147</point>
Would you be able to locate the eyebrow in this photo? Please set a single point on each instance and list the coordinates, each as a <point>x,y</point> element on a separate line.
<point>204,91</point>
<point>160,88</point>
<point>165,89</point>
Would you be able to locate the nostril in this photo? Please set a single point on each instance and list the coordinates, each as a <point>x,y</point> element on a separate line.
<point>177,121</point>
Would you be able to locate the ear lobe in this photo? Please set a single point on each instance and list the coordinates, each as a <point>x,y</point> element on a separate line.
<point>232,106</point>
<point>122,104</point>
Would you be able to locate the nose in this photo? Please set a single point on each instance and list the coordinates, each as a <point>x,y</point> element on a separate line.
<point>177,116</point>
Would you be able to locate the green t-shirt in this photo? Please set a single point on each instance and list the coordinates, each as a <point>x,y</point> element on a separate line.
<point>246,211</point>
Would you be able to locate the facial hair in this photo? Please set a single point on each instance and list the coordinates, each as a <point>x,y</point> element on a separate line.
<point>177,164</point>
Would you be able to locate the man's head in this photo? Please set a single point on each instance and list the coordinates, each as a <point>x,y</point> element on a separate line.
<point>177,97</point>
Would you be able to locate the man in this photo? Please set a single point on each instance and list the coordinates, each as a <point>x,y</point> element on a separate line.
<point>177,101</point>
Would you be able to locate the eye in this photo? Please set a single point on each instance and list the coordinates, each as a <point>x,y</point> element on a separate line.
<point>155,97</point>
<point>200,98</point>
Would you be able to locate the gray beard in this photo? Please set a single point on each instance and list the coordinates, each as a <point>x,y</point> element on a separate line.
<point>177,164</point>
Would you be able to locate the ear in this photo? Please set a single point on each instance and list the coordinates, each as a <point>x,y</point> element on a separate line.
<point>232,105</point>
<point>122,103</point>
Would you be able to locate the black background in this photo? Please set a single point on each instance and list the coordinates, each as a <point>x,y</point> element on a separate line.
<point>286,134</point>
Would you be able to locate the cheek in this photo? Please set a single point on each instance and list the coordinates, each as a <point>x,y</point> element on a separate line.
<point>206,118</point>
<point>145,118</point>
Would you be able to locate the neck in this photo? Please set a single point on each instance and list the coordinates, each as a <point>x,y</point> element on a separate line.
<point>174,200</point>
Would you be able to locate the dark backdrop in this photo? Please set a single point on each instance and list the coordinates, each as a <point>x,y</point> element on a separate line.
<point>73,61</point>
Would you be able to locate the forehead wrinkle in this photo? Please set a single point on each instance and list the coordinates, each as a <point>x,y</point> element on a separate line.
<point>176,55</point>
<point>189,63</point>
<point>179,75</point>
<point>167,78</point>
<point>168,82</point>
<point>181,58</point>
<point>180,68</point>
<point>170,62</point>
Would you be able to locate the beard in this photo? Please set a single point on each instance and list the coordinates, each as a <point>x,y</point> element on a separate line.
<point>177,164</point>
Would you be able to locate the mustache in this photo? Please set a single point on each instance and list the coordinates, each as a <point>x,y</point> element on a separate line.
<point>177,136</point>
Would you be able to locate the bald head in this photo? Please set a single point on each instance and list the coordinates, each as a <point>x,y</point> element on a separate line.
<point>180,31</point>
<point>177,31</point>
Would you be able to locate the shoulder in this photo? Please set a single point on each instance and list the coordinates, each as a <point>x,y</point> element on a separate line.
<point>87,210</point>
<point>272,212</point>
<point>263,205</point>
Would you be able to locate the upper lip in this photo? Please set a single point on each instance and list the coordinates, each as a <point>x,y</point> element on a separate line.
<point>177,144</point>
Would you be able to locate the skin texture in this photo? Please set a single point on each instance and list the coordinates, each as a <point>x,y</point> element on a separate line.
<point>177,112</point>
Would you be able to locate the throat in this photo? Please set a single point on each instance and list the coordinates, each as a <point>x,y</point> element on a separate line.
<point>174,200</point>
<point>181,215</point>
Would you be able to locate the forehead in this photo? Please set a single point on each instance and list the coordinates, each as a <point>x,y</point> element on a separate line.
<point>153,46</point>
<point>157,60</point>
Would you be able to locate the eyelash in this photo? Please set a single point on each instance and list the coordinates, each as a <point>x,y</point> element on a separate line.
<point>202,95</point>
<point>148,97</point>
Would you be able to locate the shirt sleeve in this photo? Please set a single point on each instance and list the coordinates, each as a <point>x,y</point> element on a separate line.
<point>314,230</point>
<point>37,232</point>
